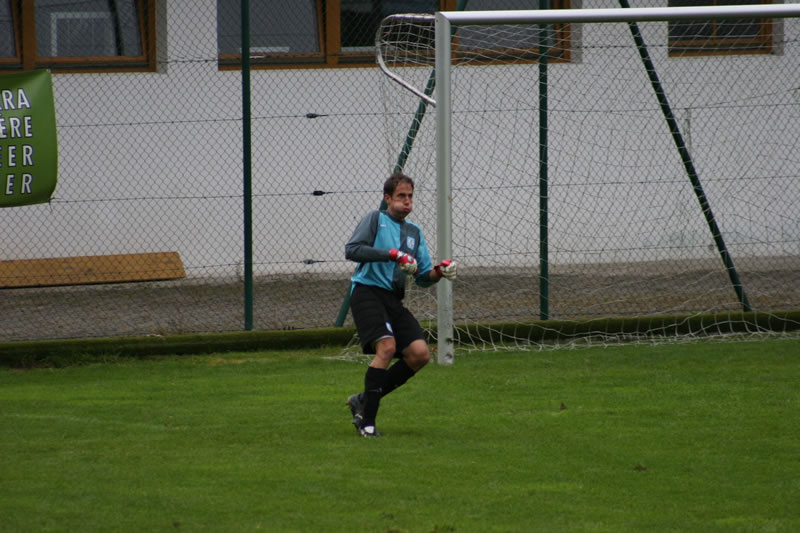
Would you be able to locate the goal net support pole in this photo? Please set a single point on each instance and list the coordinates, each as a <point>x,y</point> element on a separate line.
<point>688,164</point>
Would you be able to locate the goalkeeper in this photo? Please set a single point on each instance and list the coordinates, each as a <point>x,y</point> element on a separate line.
<point>388,248</point>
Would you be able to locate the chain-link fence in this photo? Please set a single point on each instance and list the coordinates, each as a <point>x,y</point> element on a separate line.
<point>151,164</point>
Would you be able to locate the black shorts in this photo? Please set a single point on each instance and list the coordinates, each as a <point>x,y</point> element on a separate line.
<point>379,313</point>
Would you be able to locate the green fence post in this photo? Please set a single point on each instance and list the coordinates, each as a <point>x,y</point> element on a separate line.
<point>544,261</point>
<point>247,184</point>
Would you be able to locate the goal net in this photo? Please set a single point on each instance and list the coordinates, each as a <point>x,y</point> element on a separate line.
<point>628,176</point>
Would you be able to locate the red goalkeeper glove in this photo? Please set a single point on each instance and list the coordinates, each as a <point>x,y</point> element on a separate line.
<point>447,269</point>
<point>407,262</point>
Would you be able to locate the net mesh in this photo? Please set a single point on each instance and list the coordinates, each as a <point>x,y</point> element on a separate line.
<point>628,236</point>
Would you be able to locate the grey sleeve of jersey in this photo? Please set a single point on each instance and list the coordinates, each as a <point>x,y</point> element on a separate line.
<point>359,248</point>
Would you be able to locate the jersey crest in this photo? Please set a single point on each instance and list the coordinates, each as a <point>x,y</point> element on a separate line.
<point>411,242</point>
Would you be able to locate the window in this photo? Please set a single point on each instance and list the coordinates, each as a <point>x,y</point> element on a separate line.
<point>8,44</point>
<point>77,35</point>
<point>714,37</point>
<point>326,33</point>
<point>513,43</point>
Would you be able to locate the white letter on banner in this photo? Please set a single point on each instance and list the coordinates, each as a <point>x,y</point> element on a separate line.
<point>22,99</point>
<point>27,181</point>
<point>27,155</point>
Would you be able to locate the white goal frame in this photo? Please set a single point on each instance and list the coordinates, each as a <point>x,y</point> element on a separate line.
<point>444,23</point>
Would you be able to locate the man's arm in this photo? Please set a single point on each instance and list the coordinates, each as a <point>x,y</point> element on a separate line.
<point>359,248</point>
<point>428,278</point>
<point>446,269</point>
<point>431,273</point>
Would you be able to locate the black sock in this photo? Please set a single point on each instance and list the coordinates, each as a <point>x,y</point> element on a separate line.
<point>374,380</point>
<point>397,374</point>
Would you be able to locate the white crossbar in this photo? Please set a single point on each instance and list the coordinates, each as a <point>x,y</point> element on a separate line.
<point>550,16</point>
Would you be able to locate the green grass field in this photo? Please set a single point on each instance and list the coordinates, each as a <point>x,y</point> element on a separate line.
<point>701,437</point>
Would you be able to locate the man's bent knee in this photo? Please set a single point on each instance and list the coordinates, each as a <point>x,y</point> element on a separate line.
<point>385,349</point>
<point>417,355</point>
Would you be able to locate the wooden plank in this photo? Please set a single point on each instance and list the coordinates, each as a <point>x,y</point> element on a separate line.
<point>87,270</point>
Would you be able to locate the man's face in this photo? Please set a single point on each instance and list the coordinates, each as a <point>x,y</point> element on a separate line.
<point>401,202</point>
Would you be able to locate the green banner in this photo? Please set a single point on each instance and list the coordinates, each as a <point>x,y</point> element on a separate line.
<point>28,141</point>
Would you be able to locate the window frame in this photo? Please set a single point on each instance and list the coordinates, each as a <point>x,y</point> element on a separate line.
<point>13,62</point>
<point>500,56</point>
<point>23,15</point>
<point>716,46</point>
<point>329,28</point>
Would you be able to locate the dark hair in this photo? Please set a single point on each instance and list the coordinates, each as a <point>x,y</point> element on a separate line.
<point>394,180</point>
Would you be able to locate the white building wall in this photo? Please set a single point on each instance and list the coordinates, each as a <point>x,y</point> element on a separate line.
<point>165,147</point>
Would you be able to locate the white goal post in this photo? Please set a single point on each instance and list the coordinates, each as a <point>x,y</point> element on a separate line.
<point>446,26</point>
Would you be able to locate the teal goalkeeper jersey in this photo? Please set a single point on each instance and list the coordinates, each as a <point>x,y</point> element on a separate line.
<point>375,235</point>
